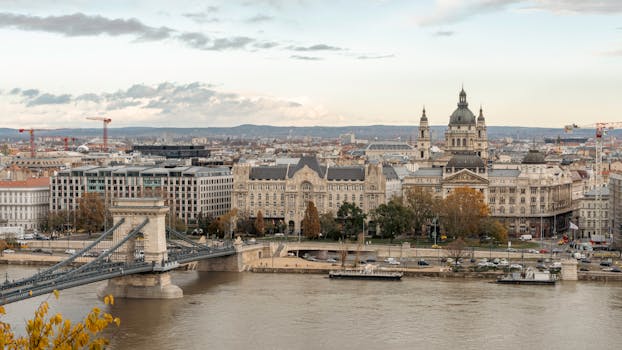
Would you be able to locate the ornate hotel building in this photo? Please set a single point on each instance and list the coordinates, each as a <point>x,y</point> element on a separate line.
<point>283,192</point>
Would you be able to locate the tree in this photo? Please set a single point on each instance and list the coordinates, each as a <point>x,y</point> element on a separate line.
<point>422,206</point>
<point>180,225</point>
<point>352,219</point>
<point>462,212</point>
<point>456,250</point>
<point>260,225</point>
<point>56,220</point>
<point>328,225</point>
<point>5,149</point>
<point>226,223</point>
<point>91,212</point>
<point>494,229</point>
<point>55,332</point>
<point>245,224</point>
<point>311,222</point>
<point>393,218</point>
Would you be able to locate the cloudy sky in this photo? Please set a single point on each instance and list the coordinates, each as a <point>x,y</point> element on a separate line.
<point>308,62</point>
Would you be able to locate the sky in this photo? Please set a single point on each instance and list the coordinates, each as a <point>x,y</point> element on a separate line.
<point>539,63</point>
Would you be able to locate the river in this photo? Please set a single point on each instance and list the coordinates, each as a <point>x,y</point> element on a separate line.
<point>289,311</point>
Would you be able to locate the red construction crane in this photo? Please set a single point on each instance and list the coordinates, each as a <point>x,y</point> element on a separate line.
<point>66,141</point>
<point>106,122</point>
<point>601,130</point>
<point>33,150</point>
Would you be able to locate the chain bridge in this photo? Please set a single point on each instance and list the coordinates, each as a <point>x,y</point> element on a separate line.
<point>135,255</point>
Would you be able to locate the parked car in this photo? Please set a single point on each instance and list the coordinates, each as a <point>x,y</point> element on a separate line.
<point>331,260</point>
<point>533,251</point>
<point>394,262</point>
<point>544,251</point>
<point>511,250</point>
<point>279,235</point>
<point>422,263</point>
<point>8,251</point>
<point>516,267</point>
<point>605,263</point>
<point>70,251</point>
<point>503,263</point>
<point>586,261</point>
<point>615,269</point>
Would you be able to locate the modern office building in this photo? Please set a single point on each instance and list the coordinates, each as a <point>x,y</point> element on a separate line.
<point>188,191</point>
<point>174,151</point>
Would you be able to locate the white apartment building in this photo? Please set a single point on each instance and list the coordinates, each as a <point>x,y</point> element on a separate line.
<point>189,191</point>
<point>594,213</point>
<point>24,203</point>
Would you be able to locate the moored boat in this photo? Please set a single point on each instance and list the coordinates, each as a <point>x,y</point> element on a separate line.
<point>529,277</point>
<point>369,272</point>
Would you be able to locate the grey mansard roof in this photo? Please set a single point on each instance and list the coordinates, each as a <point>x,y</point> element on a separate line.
<point>389,173</point>
<point>389,146</point>
<point>427,172</point>
<point>281,172</point>
<point>534,157</point>
<point>503,173</point>
<point>465,161</point>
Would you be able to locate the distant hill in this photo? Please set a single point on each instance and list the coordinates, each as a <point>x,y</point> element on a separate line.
<point>249,131</point>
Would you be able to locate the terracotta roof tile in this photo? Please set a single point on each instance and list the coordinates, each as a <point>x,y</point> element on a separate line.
<point>33,182</point>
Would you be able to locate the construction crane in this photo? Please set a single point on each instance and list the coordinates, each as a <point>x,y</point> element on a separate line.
<point>31,131</point>
<point>66,142</point>
<point>602,128</point>
<point>106,122</point>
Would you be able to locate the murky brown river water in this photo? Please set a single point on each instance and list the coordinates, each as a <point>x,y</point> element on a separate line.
<point>276,311</point>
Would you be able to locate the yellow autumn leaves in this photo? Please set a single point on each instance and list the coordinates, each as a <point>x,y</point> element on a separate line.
<point>58,333</point>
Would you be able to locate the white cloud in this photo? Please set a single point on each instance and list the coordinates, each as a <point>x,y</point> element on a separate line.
<point>166,104</point>
<point>451,11</point>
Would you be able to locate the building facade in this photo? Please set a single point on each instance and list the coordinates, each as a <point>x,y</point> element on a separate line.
<point>282,193</point>
<point>615,205</point>
<point>24,203</point>
<point>174,151</point>
<point>188,191</point>
<point>594,213</point>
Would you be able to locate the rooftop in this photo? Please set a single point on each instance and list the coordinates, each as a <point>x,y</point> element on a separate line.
<point>30,183</point>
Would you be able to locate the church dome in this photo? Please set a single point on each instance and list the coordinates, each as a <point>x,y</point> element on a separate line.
<point>534,157</point>
<point>462,115</point>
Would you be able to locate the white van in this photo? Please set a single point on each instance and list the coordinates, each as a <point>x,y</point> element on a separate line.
<point>526,237</point>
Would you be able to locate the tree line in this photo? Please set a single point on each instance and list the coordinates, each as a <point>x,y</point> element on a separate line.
<point>462,214</point>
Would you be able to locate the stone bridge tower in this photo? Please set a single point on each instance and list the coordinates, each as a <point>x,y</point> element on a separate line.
<point>155,285</point>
